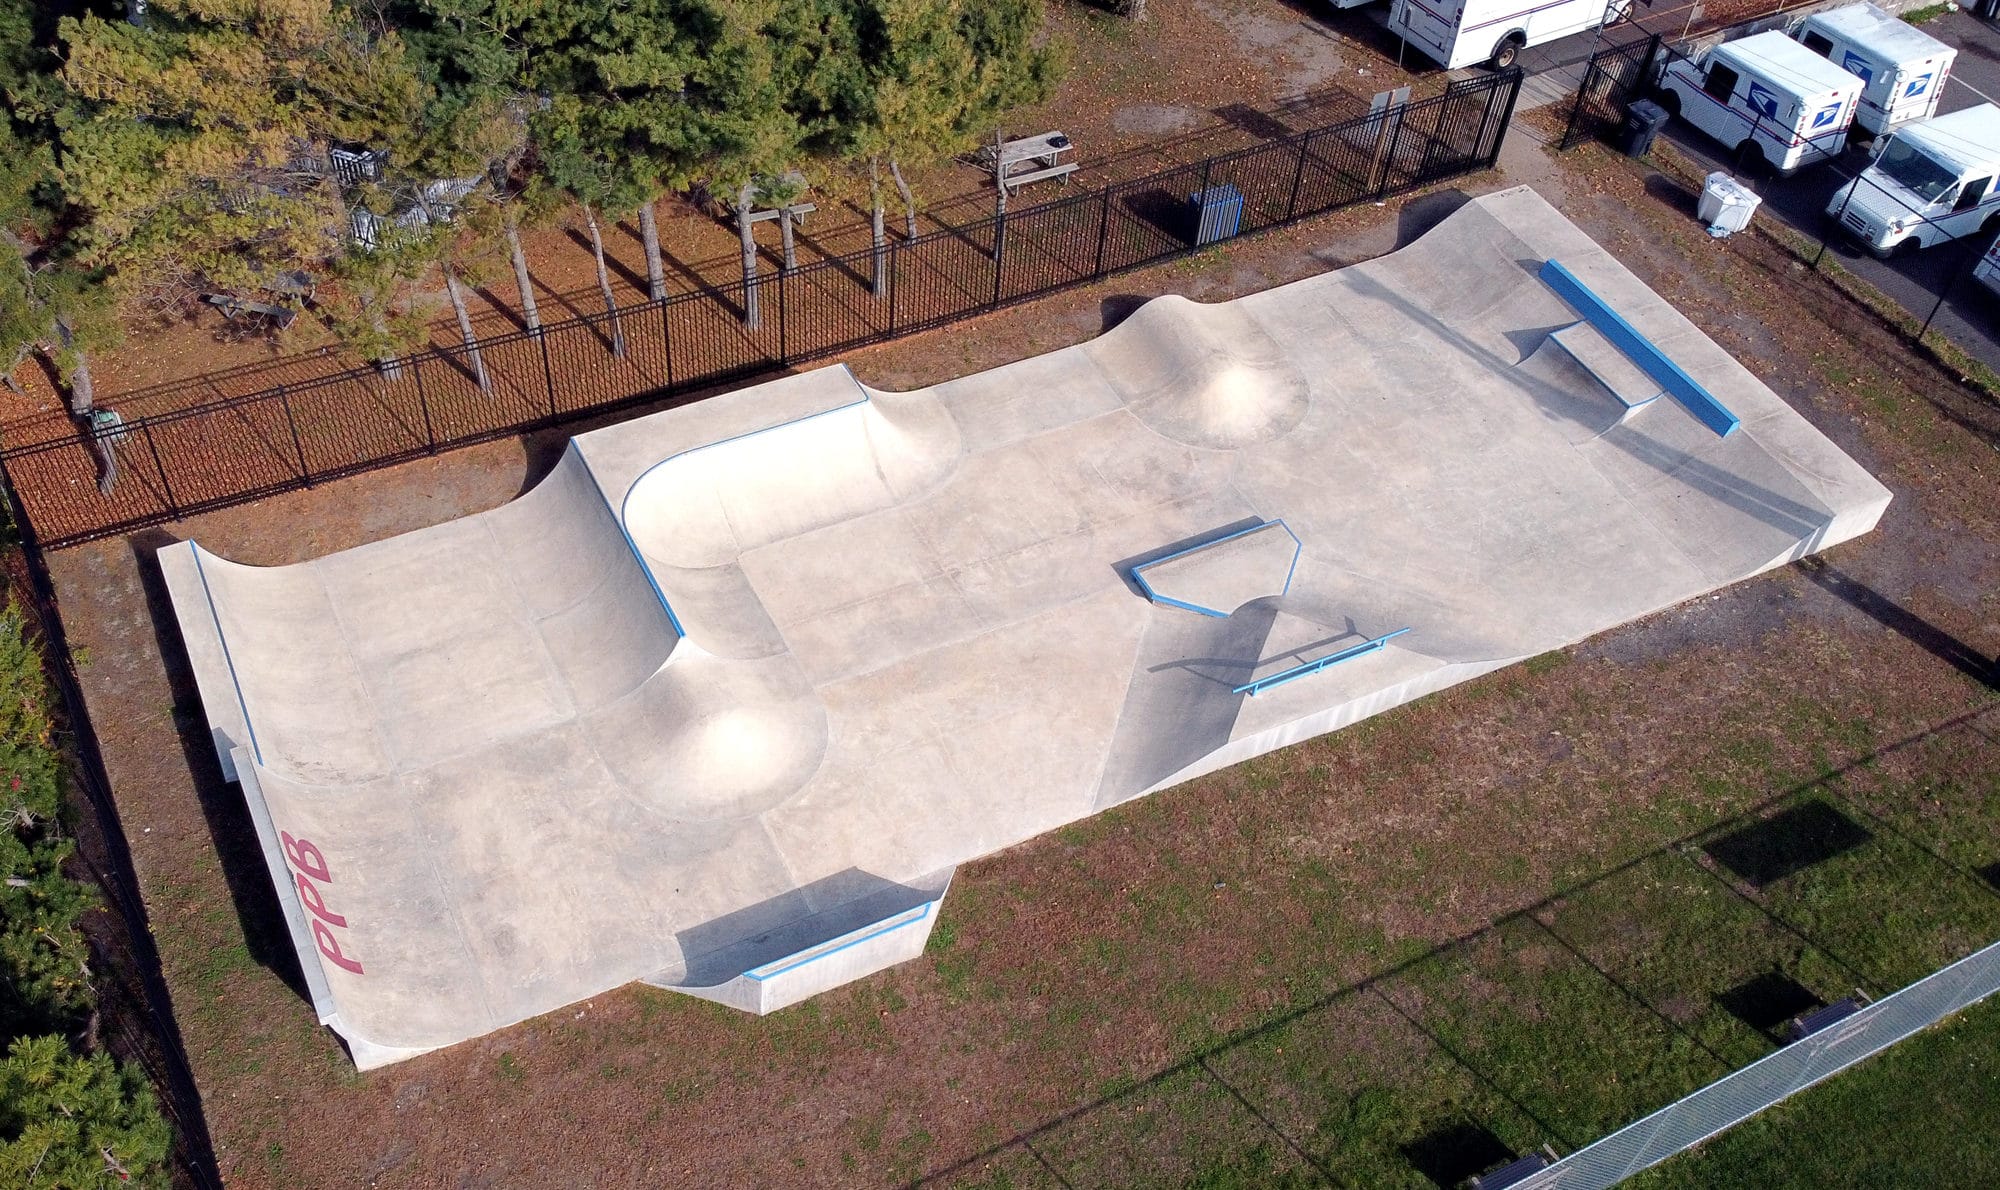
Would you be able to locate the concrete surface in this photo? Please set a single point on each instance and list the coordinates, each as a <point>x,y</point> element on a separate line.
<point>723,701</point>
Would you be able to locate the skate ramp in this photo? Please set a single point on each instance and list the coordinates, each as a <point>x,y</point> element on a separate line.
<point>723,701</point>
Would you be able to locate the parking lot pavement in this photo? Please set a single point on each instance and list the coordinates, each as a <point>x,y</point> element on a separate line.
<point>1970,313</point>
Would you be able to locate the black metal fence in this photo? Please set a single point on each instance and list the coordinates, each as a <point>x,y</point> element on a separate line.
<point>226,452</point>
<point>1611,79</point>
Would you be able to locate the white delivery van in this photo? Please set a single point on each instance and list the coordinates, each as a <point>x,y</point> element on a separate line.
<point>1767,97</point>
<point>1461,32</point>
<point>1902,68</point>
<point>1932,182</point>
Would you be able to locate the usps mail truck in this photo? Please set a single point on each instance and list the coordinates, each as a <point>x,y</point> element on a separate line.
<point>1932,182</point>
<point>1768,97</point>
<point>1459,33</point>
<point>1902,68</point>
<point>1987,271</point>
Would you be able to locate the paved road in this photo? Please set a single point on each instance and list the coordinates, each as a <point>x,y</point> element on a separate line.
<point>1968,315</point>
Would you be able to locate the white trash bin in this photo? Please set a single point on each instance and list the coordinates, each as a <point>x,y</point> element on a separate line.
<point>1726,205</point>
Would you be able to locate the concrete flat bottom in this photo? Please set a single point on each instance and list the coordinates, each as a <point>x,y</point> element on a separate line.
<point>721,703</point>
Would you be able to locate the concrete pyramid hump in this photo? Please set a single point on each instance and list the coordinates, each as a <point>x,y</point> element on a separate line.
<point>722,702</point>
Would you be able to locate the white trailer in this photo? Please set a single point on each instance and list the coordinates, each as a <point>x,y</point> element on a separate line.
<point>1902,68</point>
<point>1459,33</point>
<point>1767,97</point>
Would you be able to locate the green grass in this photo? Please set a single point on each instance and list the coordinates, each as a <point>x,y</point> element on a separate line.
<point>1640,983</point>
<point>1929,12</point>
<point>1920,1114</point>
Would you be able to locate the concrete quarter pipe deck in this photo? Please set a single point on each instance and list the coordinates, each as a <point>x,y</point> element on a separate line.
<point>721,702</point>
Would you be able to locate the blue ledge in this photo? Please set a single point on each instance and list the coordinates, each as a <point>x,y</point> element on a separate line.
<point>1640,350</point>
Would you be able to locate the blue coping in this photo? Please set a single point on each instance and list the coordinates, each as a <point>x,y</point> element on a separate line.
<point>769,971</point>
<point>625,501</point>
<point>1139,577</point>
<point>1313,667</point>
<point>1640,350</point>
<point>227,661</point>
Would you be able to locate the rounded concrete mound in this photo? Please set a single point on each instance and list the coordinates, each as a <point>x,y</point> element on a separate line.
<point>1205,376</point>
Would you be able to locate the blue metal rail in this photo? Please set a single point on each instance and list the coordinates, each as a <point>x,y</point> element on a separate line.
<point>1313,667</point>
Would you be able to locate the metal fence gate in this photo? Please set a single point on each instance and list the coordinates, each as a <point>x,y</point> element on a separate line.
<point>218,453</point>
<point>1612,78</point>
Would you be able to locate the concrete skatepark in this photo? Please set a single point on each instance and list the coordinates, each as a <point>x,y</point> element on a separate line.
<point>723,701</point>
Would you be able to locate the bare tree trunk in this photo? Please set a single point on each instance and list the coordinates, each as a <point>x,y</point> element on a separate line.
<point>999,199</point>
<point>13,385</point>
<point>785,236</point>
<point>390,365</point>
<point>530,313</point>
<point>909,200</point>
<point>649,231</point>
<point>471,341</point>
<point>604,282</point>
<point>744,198</point>
<point>880,237</point>
<point>82,393</point>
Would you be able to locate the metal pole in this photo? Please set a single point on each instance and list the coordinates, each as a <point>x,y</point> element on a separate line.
<point>895,271</point>
<point>1103,229</point>
<point>667,340</point>
<point>1298,177</point>
<point>166,485</point>
<point>548,373</point>
<point>1958,274</point>
<point>423,402</point>
<point>285,402</point>
<point>1200,197</point>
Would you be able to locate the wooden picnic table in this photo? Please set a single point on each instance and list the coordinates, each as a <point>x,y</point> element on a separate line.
<point>1042,154</point>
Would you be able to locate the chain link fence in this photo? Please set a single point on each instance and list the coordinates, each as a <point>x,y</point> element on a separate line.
<point>1730,1101</point>
<point>207,456</point>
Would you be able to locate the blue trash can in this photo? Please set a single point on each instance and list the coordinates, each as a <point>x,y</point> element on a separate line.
<point>1218,213</point>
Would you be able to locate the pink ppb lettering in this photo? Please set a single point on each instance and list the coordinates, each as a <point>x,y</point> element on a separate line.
<point>304,857</point>
<point>309,893</point>
<point>330,947</point>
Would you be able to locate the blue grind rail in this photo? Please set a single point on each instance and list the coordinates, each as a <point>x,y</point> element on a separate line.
<point>1640,350</point>
<point>1312,667</point>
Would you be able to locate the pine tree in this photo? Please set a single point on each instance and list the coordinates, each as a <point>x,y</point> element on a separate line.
<point>71,1123</point>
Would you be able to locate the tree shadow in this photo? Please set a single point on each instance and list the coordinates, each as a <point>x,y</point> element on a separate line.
<point>1117,308</point>
<point>1785,844</point>
<point>611,262</point>
<point>1420,215</point>
<point>1261,125</point>
<point>1765,1002</point>
<point>265,931</point>
<point>1451,1153</point>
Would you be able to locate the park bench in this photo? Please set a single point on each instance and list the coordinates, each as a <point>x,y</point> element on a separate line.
<point>231,306</point>
<point>1029,159</point>
<point>1806,1024</point>
<point>1514,1172</point>
<point>799,212</point>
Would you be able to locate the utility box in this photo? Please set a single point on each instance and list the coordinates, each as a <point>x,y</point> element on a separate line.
<point>1218,213</point>
<point>1643,121</point>
<point>1726,204</point>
